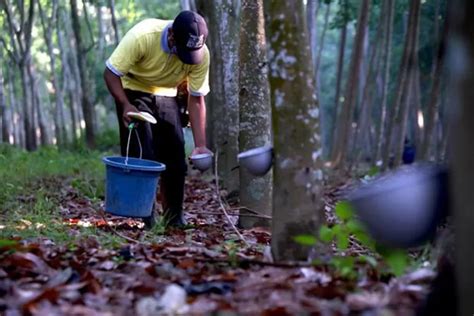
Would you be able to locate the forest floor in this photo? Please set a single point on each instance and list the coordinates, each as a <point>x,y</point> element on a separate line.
<point>81,261</point>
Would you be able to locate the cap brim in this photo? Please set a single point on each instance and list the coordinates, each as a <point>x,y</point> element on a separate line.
<point>190,57</point>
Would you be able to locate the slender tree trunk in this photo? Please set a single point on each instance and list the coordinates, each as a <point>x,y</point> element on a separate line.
<point>39,109</point>
<point>403,78</point>
<point>321,40</point>
<point>15,112</point>
<point>224,25</point>
<point>312,8</point>
<point>345,120</point>
<point>20,41</point>
<point>27,114</point>
<point>101,32</point>
<point>114,21</point>
<point>188,5</point>
<point>369,85</point>
<point>387,55</point>
<point>297,207</point>
<point>432,107</point>
<point>48,23</point>
<point>412,68</point>
<point>87,106</point>
<point>340,70</point>
<point>3,107</point>
<point>67,82</point>
<point>462,94</point>
<point>255,110</point>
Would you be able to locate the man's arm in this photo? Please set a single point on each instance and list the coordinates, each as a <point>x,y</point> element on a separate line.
<point>114,85</point>
<point>197,117</point>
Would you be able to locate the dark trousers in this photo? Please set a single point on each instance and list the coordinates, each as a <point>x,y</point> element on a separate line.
<point>162,142</point>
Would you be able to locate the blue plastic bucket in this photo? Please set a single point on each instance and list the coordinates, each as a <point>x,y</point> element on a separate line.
<point>131,188</point>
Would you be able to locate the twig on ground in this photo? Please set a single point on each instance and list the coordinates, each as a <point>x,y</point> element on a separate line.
<point>101,213</point>
<point>248,210</point>
<point>223,208</point>
<point>231,214</point>
<point>295,264</point>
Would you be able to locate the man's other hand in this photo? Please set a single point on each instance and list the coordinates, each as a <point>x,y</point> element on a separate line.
<point>127,108</point>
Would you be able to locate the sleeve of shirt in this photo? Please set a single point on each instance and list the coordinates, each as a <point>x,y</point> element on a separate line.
<point>198,78</point>
<point>128,52</point>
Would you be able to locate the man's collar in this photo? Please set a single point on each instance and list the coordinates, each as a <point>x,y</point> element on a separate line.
<point>164,39</point>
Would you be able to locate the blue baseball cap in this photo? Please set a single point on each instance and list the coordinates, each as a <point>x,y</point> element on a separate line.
<point>190,34</point>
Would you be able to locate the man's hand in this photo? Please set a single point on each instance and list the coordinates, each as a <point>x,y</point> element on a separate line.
<point>201,150</point>
<point>127,108</point>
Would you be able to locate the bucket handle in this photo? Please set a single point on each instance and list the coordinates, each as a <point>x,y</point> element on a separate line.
<point>132,127</point>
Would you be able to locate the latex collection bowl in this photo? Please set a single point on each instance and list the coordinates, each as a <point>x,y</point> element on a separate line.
<point>257,161</point>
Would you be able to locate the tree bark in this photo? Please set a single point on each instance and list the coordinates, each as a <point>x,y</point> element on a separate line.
<point>432,107</point>
<point>114,21</point>
<point>387,55</point>
<point>101,31</point>
<point>462,93</point>
<point>20,39</point>
<point>255,110</point>
<point>3,106</point>
<point>87,106</point>
<point>321,40</point>
<point>340,70</point>
<point>312,8</point>
<point>187,5</point>
<point>412,68</point>
<point>39,109</point>
<point>18,138</point>
<point>223,21</point>
<point>297,202</point>
<point>49,23</point>
<point>369,85</point>
<point>67,82</point>
<point>344,129</point>
<point>402,86</point>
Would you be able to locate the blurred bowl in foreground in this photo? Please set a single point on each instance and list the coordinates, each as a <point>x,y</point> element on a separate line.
<point>403,209</point>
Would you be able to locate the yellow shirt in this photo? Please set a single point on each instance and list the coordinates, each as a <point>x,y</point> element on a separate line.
<point>145,63</point>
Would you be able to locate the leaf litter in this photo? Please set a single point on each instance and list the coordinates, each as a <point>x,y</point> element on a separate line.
<point>199,270</point>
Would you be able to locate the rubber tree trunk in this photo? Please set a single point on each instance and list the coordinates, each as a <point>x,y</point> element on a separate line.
<point>255,110</point>
<point>461,66</point>
<point>224,24</point>
<point>3,107</point>
<point>21,36</point>
<point>321,40</point>
<point>48,23</point>
<point>412,69</point>
<point>297,196</point>
<point>39,109</point>
<point>344,122</point>
<point>87,106</point>
<point>402,88</point>
<point>387,55</point>
<point>18,138</point>
<point>312,8</point>
<point>114,21</point>
<point>340,69</point>
<point>432,108</point>
<point>187,5</point>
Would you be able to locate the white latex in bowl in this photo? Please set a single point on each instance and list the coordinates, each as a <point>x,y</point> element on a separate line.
<point>142,116</point>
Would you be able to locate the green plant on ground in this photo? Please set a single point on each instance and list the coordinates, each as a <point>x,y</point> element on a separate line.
<point>395,261</point>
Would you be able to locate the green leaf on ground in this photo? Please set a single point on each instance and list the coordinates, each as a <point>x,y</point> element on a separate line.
<point>305,240</point>
<point>343,210</point>
<point>326,234</point>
